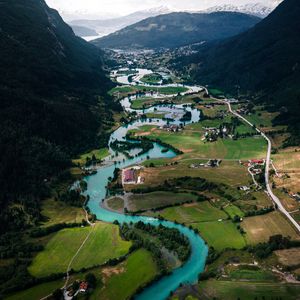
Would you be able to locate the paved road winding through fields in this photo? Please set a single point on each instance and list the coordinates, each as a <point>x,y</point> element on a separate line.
<point>275,199</point>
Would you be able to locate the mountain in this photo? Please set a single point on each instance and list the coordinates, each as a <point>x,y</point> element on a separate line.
<point>178,29</point>
<point>83,31</point>
<point>255,9</point>
<point>53,105</point>
<point>264,62</point>
<point>107,26</point>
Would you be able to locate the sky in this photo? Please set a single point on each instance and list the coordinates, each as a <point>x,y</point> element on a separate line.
<point>110,8</point>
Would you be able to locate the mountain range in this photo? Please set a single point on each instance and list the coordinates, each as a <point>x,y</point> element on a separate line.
<point>178,29</point>
<point>255,9</point>
<point>53,104</point>
<point>107,26</point>
<point>263,61</point>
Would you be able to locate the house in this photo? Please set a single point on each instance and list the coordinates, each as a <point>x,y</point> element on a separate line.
<point>244,188</point>
<point>83,287</point>
<point>129,175</point>
<point>257,161</point>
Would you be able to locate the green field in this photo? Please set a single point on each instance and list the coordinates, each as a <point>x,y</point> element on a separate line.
<point>189,141</point>
<point>157,199</point>
<point>221,235</point>
<point>228,290</point>
<point>136,271</point>
<point>56,212</point>
<point>193,213</point>
<point>155,115</point>
<point>229,172</point>
<point>252,275</point>
<point>116,203</point>
<point>152,78</point>
<point>37,292</point>
<point>142,102</point>
<point>104,243</point>
<point>215,92</point>
<point>162,90</point>
<point>99,154</point>
<point>205,217</point>
<point>233,211</point>
<point>262,117</point>
<point>260,228</point>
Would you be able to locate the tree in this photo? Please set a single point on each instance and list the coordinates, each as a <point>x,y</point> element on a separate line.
<point>91,279</point>
<point>58,294</point>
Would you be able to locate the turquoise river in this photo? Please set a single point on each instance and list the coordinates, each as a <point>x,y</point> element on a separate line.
<point>186,274</point>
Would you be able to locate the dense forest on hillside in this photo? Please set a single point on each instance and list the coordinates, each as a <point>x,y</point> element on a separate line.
<point>263,62</point>
<point>178,29</point>
<point>53,104</point>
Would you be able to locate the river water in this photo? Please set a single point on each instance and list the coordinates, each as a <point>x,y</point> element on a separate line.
<point>188,273</point>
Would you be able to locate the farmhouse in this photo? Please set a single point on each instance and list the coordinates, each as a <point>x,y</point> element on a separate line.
<point>83,287</point>
<point>257,161</point>
<point>129,175</point>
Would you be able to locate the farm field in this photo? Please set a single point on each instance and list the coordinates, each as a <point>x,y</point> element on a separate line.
<point>37,292</point>
<point>221,235</point>
<point>233,211</point>
<point>257,199</point>
<point>261,118</point>
<point>152,78</point>
<point>229,172</point>
<point>55,212</point>
<point>193,213</point>
<point>189,141</point>
<point>207,219</point>
<point>142,102</point>
<point>116,203</point>
<point>157,199</point>
<point>123,90</point>
<point>228,290</point>
<point>289,257</point>
<point>122,281</point>
<point>260,228</point>
<point>250,273</point>
<point>155,115</point>
<point>287,162</point>
<point>104,243</point>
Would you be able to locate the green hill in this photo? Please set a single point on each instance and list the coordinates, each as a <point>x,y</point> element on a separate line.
<point>178,29</point>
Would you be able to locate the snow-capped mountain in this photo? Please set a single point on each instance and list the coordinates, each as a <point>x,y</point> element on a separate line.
<point>256,9</point>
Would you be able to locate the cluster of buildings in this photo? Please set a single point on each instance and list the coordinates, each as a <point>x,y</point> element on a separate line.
<point>171,128</point>
<point>256,166</point>
<point>70,293</point>
<point>212,133</point>
<point>243,111</point>
<point>212,163</point>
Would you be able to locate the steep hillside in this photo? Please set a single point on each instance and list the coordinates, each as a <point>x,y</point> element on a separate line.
<point>178,29</point>
<point>264,61</point>
<point>53,104</point>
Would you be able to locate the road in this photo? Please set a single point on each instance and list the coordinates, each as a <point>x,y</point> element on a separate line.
<point>275,199</point>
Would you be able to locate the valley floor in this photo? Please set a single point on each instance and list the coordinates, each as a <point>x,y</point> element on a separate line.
<point>215,186</point>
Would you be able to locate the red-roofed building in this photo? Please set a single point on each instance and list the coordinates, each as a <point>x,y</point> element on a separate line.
<point>83,287</point>
<point>257,161</point>
<point>129,175</point>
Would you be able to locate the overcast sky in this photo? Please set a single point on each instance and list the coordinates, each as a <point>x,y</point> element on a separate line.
<point>123,7</point>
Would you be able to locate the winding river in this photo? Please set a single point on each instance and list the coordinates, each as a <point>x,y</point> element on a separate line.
<point>188,273</point>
